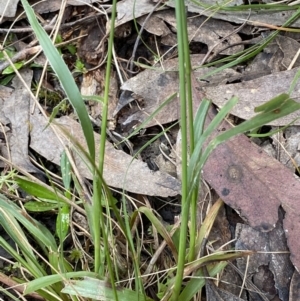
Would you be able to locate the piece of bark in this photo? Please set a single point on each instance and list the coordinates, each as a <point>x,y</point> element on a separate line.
<point>295,287</point>
<point>272,271</point>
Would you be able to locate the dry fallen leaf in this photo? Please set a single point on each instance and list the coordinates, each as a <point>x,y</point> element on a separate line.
<point>255,92</point>
<point>15,114</point>
<point>131,9</point>
<point>118,166</point>
<point>155,86</point>
<point>238,17</point>
<point>255,185</point>
<point>55,5</point>
<point>8,8</point>
<point>207,31</point>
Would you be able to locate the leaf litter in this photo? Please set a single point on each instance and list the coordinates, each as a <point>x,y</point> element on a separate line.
<point>257,186</point>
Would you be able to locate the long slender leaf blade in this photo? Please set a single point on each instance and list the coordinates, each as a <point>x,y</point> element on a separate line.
<point>160,228</point>
<point>38,190</point>
<point>287,106</point>
<point>100,290</point>
<point>65,77</point>
<point>45,281</point>
<point>196,284</point>
<point>193,171</point>
<point>200,118</point>
<point>31,265</point>
<point>284,108</point>
<point>40,232</point>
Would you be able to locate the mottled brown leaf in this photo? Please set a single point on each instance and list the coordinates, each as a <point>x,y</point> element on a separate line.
<point>155,86</point>
<point>139,178</point>
<point>15,114</point>
<point>254,184</point>
<point>256,92</point>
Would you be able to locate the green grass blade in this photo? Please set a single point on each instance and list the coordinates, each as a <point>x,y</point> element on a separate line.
<point>160,229</point>
<point>196,155</point>
<point>200,118</point>
<point>100,290</point>
<point>45,281</point>
<point>37,190</point>
<point>64,75</point>
<point>197,283</point>
<point>40,232</point>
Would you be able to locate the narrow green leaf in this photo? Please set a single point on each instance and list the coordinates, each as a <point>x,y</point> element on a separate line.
<point>38,190</point>
<point>274,104</point>
<point>5,80</point>
<point>45,281</point>
<point>200,118</point>
<point>35,206</point>
<point>10,70</point>
<point>195,284</point>
<point>65,77</point>
<point>101,290</point>
<point>63,223</point>
<point>65,170</point>
<point>160,228</point>
<point>42,235</point>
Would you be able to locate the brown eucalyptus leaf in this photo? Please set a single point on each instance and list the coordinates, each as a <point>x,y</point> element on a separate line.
<point>131,9</point>
<point>254,184</point>
<point>120,169</point>
<point>8,9</point>
<point>208,31</point>
<point>15,111</point>
<point>155,86</point>
<point>255,92</point>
